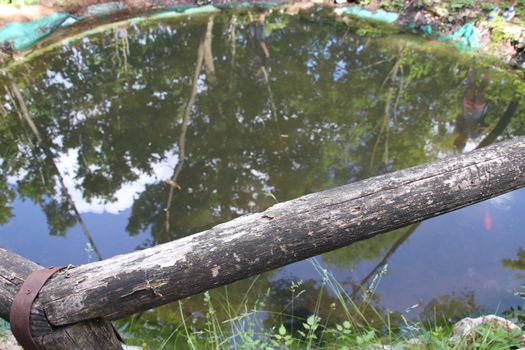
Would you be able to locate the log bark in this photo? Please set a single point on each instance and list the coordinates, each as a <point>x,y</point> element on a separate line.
<point>283,234</point>
<point>93,334</point>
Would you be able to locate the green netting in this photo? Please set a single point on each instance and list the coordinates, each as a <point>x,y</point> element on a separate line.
<point>21,36</point>
<point>380,15</point>
<point>465,38</point>
<point>425,29</point>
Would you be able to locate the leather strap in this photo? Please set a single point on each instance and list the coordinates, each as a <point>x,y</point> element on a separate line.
<point>20,313</point>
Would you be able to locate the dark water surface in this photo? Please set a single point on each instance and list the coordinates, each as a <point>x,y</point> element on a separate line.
<point>154,131</point>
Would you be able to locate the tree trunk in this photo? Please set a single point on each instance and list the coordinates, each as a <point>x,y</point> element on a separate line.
<point>283,234</point>
<point>94,334</point>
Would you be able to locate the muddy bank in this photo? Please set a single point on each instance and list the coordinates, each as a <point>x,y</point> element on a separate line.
<point>504,40</point>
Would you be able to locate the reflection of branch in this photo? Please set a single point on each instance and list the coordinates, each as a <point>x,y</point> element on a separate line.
<point>373,64</point>
<point>270,95</point>
<point>392,75</point>
<point>501,125</point>
<point>383,130</point>
<point>208,56</point>
<point>266,52</point>
<point>233,37</point>
<point>187,112</point>
<point>361,287</point>
<point>3,112</point>
<point>24,113</point>
<point>26,116</point>
<point>399,91</point>
<point>121,47</point>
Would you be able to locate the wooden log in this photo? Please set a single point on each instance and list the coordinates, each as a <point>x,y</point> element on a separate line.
<point>283,234</point>
<point>93,334</point>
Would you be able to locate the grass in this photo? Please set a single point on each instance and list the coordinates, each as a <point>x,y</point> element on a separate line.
<point>254,326</point>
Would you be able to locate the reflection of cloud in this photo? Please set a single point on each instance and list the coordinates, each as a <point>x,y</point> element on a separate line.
<point>124,197</point>
<point>503,202</point>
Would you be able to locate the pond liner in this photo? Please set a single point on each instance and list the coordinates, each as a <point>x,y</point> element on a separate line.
<point>105,9</point>
<point>359,12</point>
<point>19,37</point>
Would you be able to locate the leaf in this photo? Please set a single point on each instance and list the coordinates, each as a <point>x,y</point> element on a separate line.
<point>282,330</point>
<point>312,320</point>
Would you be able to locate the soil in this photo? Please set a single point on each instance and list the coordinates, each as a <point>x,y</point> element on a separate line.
<point>27,13</point>
<point>505,40</point>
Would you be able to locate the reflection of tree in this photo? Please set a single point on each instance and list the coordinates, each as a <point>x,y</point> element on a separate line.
<point>447,308</point>
<point>337,98</point>
<point>58,213</point>
<point>362,286</point>
<point>7,195</point>
<point>291,305</point>
<point>518,263</point>
<point>347,258</point>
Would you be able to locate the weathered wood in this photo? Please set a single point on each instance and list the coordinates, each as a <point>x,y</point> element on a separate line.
<point>93,334</point>
<point>284,233</point>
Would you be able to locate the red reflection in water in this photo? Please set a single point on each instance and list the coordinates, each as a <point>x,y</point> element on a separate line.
<point>488,221</point>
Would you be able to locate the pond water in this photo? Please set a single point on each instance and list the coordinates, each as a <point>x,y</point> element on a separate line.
<point>153,131</point>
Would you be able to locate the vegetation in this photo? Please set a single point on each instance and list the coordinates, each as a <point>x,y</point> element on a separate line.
<point>223,325</point>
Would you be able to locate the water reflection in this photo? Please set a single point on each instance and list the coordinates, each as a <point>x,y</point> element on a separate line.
<point>151,132</point>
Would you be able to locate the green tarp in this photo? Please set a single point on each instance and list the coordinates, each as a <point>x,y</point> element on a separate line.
<point>465,38</point>
<point>21,36</point>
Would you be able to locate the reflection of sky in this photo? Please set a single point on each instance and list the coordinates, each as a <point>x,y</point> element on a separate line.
<point>450,255</point>
<point>26,236</point>
<point>124,197</point>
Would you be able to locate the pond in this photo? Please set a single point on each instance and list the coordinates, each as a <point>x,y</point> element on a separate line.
<point>148,132</point>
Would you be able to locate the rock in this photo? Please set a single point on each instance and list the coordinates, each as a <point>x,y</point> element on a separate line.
<point>513,31</point>
<point>8,341</point>
<point>465,329</point>
<point>379,347</point>
<point>415,342</point>
<point>439,11</point>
